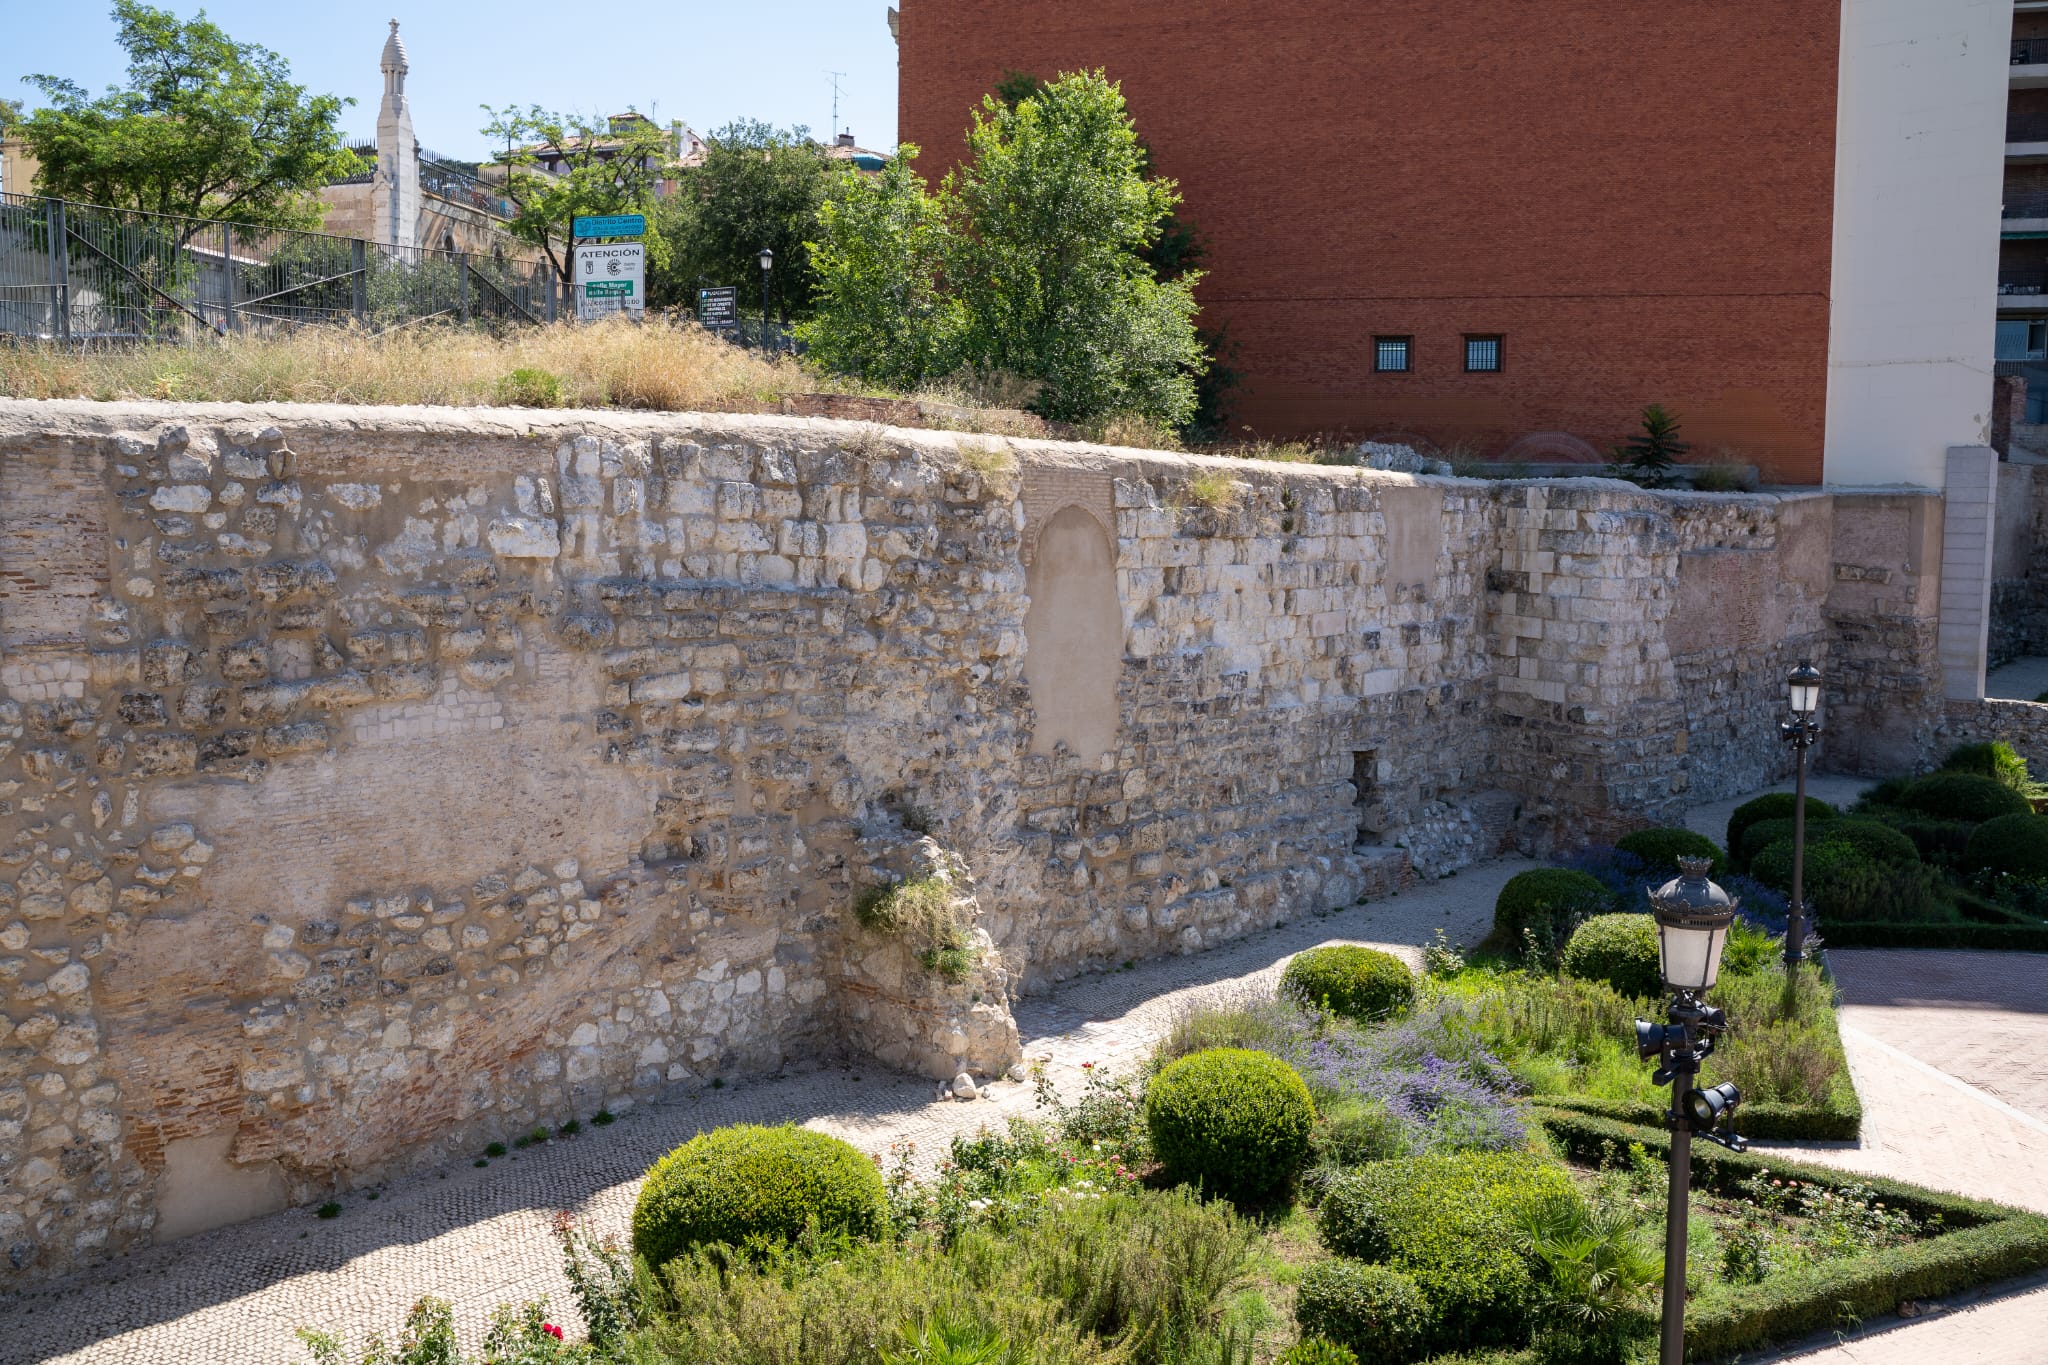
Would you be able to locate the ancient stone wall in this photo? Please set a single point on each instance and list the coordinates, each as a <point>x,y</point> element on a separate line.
<point>375,783</point>
<point>2019,565</point>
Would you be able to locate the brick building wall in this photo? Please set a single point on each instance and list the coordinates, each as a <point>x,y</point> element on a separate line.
<point>1639,201</point>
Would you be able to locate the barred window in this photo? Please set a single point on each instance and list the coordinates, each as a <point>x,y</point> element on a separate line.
<point>1390,354</point>
<point>1482,354</point>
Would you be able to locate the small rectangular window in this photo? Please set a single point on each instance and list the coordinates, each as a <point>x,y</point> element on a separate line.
<point>1482,354</point>
<point>1390,355</point>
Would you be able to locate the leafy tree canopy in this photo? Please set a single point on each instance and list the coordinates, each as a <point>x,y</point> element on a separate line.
<point>602,167</point>
<point>757,186</point>
<point>205,127</point>
<point>1030,259</point>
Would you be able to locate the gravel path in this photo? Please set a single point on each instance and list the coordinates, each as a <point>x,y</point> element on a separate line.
<point>1947,1050</point>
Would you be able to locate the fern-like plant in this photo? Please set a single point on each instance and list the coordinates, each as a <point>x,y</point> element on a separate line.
<point>1647,457</point>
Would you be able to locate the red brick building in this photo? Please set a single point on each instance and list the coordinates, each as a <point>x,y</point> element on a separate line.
<point>1615,203</point>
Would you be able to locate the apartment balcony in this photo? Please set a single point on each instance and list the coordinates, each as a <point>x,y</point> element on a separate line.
<point>2026,135</point>
<point>2029,64</point>
<point>2025,214</point>
<point>2022,292</point>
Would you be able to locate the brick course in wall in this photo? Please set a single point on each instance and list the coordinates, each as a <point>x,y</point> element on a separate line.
<point>376,783</point>
<point>1452,170</point>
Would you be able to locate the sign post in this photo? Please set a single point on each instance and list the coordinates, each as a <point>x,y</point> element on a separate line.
<point>611,277</point>
<point>719,309</point>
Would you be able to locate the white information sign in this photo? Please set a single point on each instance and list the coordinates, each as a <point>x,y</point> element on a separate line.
<point>610,278</point>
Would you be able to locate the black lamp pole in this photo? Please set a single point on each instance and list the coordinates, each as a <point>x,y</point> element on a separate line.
<point>767,259</point>
<point>1800,732</point>
<point>1693,916</point>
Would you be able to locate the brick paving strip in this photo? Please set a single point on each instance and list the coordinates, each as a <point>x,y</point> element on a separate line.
<point>1960,1109</point>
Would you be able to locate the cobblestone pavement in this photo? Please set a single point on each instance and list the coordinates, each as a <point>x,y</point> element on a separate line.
<point>1946,1049</point>
<point>480,1237</point>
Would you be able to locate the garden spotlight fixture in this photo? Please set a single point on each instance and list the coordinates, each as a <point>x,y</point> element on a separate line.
<point>1693,916</point>
<point>1800,732</point>
<point>767,259</point>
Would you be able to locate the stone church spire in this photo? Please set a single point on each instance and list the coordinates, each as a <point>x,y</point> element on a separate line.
<point>395,198</point>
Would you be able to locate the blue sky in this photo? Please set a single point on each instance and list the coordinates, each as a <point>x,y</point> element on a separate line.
<point>703,61</point>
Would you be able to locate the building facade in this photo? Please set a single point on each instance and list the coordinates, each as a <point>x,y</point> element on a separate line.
<point>1510,229</point>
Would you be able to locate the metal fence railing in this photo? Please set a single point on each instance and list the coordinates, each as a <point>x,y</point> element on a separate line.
<point>2025,204</point>
<point>82,274</point>
<point>2029,51</point>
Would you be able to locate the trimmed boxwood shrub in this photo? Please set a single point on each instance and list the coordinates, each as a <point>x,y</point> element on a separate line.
<point>1940,842</point>
<point>1845,884</point>
<point>1547,901</point>
<point>1374,1310</point>
<point>1662,848</point>
<point>1996,760</point>
<point>1234,1121</point>
<point>2019,938</point>
<point>1449,1223</point>
<point>2011,843</point>
<point>1963,796</point>
<point>1618,949</point>
<point>1759,837</point>
<point>1347,979</point>
<point>745,1181</point>
<point>1981,1243</point>
<point>1875,840</point>
<point>1774,806</point>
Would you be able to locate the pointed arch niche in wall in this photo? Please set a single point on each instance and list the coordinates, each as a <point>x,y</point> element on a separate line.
<point>1073,635</point>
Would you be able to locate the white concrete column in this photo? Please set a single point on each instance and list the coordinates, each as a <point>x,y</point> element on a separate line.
<point>1969,511</point>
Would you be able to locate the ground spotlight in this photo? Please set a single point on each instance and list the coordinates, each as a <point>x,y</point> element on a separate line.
<point>1709,1106</point>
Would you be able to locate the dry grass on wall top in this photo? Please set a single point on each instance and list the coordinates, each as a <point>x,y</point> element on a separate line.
<point>925,913</point>
<point>655,366</point>
<point>994,465</point>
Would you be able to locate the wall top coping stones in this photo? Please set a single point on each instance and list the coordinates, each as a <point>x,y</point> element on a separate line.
<point>311,424</point>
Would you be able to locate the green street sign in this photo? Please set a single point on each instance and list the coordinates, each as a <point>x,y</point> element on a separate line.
<point>608,289</point>
<point>610,225</point>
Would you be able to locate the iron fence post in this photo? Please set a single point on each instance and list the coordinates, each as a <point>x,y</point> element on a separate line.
<point>60,272</point>
<point>547,279</point>
<point>462,268</point>
<point>359,276</point>
<point>227,278</point>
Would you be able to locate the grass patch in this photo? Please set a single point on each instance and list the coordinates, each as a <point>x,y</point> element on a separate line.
<point>924,912</point>
<point>994,465</point>
<point>1213,489</point>
<point>655,366</point>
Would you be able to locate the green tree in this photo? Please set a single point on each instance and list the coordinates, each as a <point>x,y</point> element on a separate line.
<point>10,113</point>
<point>757,186</point>
<point>204,128</point>
<point>600,168</point>
<point>880,258</point>
<point>1052,267</point>
<point>1648,456</point>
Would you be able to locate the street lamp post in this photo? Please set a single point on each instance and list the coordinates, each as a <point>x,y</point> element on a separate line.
<point>1693,916</point>
<point>767,259</point>
<point>1800,732</point>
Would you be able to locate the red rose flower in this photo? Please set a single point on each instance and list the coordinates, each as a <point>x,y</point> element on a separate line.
<point>551,1330</point>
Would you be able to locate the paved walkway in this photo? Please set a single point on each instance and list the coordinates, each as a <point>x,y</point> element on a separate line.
<point>1947,1051</point>
<point>2020,680</point>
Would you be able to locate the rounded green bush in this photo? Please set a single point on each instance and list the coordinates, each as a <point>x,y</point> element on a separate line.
<point>1449,1222</point>
<point>2011,843</point>
<point>1761,836</point>
<point>1875,840</point>
<point>1774,806</point>
<point>1773,864</point>
<point>1374,1310</point>
<point>1997,760</point>
<point>1234,1121</point>
<point>1843,882</point>
<point>1347,979</point>
<point>745,1181</point>
<point>1547,901</point>
<point>1662,848</point>
<point>1618,949</point>
<point>1964,796</point>
<point>1316,1351</point>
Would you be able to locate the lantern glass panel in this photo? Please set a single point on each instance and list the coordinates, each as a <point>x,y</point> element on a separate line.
<point>1690,958</point>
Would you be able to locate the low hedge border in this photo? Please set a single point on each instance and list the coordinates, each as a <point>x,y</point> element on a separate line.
<point>1985,1242</point>
<point>2022,938</point>
<point>1840,1121</point>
